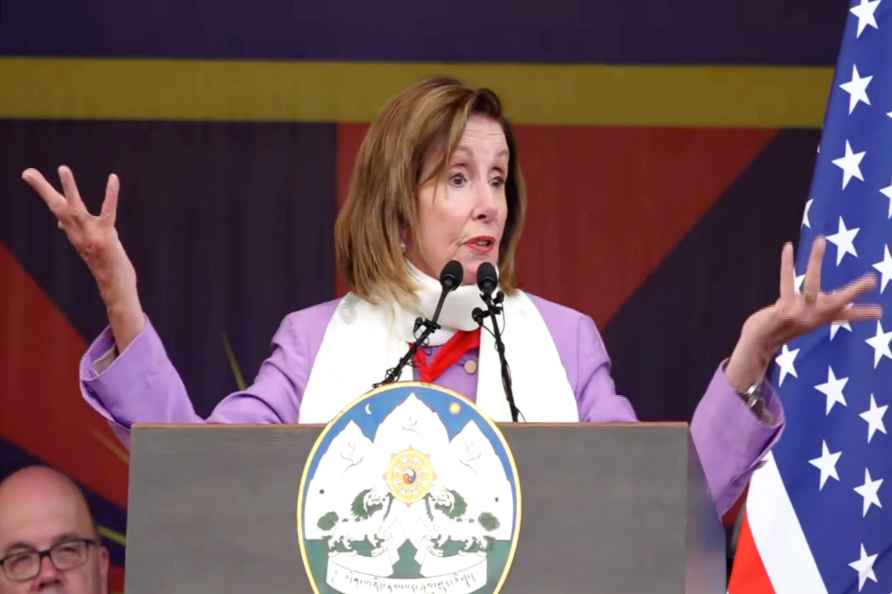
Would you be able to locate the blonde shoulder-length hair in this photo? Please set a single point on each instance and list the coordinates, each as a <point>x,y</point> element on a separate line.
<point>424,120</point>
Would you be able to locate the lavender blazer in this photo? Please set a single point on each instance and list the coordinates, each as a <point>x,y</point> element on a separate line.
<point>141,385</point>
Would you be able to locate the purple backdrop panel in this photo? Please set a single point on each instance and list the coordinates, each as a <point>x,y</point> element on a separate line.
<point>649,31</point>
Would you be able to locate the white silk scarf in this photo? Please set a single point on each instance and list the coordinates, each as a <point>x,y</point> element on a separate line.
<point>371,339</point>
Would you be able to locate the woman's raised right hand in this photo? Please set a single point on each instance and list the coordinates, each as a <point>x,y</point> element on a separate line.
<point>96,240</point>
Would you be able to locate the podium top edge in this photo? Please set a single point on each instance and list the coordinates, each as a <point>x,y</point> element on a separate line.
<point>284,426</point>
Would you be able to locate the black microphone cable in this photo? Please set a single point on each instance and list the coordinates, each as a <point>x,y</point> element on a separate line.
<point>487,282</point>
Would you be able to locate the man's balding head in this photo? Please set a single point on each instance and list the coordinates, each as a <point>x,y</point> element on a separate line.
<point>39,508</point>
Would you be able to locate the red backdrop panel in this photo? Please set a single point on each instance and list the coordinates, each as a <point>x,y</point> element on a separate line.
<point>606,205</point>
<point>43,412</point>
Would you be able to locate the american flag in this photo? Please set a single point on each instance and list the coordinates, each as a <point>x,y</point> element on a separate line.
<point>819,512</point>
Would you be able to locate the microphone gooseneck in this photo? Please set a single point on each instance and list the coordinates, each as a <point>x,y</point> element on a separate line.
<point>487,282</point>
<point>450,279</point>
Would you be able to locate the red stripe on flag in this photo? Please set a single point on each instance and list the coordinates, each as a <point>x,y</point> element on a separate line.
<point>748,575</point>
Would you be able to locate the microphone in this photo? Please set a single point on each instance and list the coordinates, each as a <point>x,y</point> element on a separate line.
<point>452,275</point>
<point>487,279</point>
<point>450,279</point>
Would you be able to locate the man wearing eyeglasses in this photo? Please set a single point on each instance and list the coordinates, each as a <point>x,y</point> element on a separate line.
<point>48,541</point>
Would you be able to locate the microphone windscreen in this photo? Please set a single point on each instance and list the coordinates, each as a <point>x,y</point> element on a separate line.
<point>487,278</point>
<point>451,275</point>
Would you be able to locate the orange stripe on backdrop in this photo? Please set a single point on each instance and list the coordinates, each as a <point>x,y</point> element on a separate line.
<point>607,205</point>
<point>748,575</point>
<point>43,412</point>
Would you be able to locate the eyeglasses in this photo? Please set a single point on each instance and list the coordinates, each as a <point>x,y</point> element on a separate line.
<point>24,565</point>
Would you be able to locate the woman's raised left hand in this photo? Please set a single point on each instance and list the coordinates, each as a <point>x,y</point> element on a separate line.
<point>795,314</point>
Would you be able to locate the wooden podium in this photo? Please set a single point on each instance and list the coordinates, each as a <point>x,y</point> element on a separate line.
<point>607,509</point>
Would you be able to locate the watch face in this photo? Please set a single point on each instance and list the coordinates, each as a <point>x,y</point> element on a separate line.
<point>752,393</point>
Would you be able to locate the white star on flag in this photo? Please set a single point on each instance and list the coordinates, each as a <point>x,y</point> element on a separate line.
<point>887,192</point>
<point>805,220</point>
<point>873,416</point>
<point>864,567</point>
<point>798,280</point>
<point>857,89</point>
<point>826,463</point>
<point>835,326</point>
<point>865,13</point>
<point>869,492</point>
<point>880,344</point>
<point>850,163</point>
<point>785,362</point>
<point>844,239</point>
<point>833,388</point>
<point>884,268</point>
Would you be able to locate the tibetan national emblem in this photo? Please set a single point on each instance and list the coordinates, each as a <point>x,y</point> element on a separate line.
<point>409,490</point>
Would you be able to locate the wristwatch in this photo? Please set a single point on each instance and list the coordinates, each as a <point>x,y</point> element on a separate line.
<point>753,395</point>
<point>754,401</point>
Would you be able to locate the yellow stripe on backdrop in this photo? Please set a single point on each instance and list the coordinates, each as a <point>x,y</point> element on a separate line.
<point>116,537</point>
<point>260,91</point>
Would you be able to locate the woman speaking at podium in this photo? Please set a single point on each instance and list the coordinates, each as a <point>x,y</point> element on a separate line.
<point>437,179</point>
